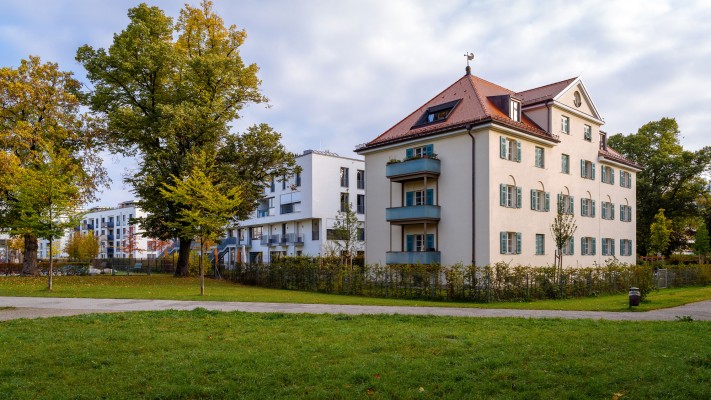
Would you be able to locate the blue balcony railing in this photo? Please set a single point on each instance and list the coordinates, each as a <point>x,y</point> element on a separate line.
<point>413,168</point>
<point>413,257</point>
<point>423,213</point>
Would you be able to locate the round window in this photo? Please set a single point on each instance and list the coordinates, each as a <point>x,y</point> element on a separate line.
<point>576,99</point>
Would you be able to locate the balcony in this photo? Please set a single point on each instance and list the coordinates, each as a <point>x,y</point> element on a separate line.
<point>413,257</point>
<point>89,227</point>
<point>271,240</point>
<point>110,237</point>
<point>109,224</point>
<point>295,239</point>
<point>415,168</point>
<point>244,243</point>
<point>412,214</point>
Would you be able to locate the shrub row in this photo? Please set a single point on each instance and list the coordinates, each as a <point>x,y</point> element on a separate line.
<point>499,282</point>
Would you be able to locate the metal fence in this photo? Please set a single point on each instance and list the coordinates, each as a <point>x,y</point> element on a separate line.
<point>113,266</point>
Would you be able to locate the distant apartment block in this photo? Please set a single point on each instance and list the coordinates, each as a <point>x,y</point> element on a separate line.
<point>477,173</point>
<point>295,217</point>
<point>118,236</point>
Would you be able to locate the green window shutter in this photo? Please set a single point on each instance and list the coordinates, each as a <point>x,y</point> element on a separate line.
<point>612,176</point>
<point>533,199</point>
<point>629,213</point>
<point>622,178</point>
<point>602,170</point>
<point>629,248</point>
<point>583,207</point>
<point>622,213</point>
<point>593,208</point>
<point>502,194</point>
<point>502,147</point>
<point>502,247</point>
<point>518,242</point>
<point>429,149</point>
<point>430,242</point>
<point>612,247</point>
<point>560,201</point>
<point>408,153</point>
<point>593,172</point>
<point>518,151</point>
<point>604,211</point>
<point>572,205</point>
<point>583,172</point>
<point>547,206</point>
<point>429,197</point>
<point>612,211</point>
<point>410,243</point>
<point>604,247</point>
<point>572,246</point>
<point>409,199</point>
<point>594,246</point>
<point>518,196</point>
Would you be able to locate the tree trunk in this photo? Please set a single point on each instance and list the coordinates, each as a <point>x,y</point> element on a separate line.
<point>181,269</point>
<point>51,266</point>
<point>29,262</point>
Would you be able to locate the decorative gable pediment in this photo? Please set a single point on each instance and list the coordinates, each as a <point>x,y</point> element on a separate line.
<point>575,97</point>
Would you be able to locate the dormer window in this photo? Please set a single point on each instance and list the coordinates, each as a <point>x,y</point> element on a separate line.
<point>515,110</point>
<point>437,113</point>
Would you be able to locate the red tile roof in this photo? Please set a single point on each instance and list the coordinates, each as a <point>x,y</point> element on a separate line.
<point>543,93</point>
<point>612,154</point>
<point>474,108</point>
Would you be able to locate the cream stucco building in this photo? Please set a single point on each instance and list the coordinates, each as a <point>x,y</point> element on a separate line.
<point>476,174</point>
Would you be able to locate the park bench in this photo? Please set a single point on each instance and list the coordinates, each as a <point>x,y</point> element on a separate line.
<point>137,267</point>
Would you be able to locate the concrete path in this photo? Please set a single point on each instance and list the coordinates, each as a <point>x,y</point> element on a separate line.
<point>34,307</point>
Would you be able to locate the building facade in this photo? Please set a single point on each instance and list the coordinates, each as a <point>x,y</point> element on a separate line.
<point>476,176</point>
<point>118,236</point>
<point>296,216</point>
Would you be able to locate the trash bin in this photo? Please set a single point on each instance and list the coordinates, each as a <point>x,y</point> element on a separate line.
<point>635,296</point>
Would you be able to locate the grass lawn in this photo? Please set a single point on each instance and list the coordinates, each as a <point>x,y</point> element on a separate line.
<point>204,354</point>
<point>169,288</point>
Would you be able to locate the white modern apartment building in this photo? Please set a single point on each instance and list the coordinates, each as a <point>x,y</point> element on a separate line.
<point>115,231</point>
<point>476,174</point>
<point>296,216</point>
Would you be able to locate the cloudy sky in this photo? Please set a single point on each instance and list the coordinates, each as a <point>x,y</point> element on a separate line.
<point>338,73</point>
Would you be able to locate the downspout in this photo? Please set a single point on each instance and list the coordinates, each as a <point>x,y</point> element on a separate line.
<point>469,132</point>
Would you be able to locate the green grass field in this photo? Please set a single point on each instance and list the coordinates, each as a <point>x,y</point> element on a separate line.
<point>167,287</point>
<point>203,354</point>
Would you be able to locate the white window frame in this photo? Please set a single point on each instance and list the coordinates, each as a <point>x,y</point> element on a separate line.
<point>565,164</point>
<point>587,133</point>
<point>515,110</point>
<point>510,196</point>
<point>540,157</point>
<point>540,244</point>
<point>565,124</point>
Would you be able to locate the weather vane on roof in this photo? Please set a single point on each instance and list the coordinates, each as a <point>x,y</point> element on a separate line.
<point>469,56</point>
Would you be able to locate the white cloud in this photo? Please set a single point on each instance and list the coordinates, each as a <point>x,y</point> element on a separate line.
<point>340,73</point>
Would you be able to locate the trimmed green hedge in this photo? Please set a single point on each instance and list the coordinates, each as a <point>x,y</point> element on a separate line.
<point>499,282</point>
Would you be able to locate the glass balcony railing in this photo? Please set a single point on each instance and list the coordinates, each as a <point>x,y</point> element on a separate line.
<point>413,257</point>
<point>411,169</point>
<point>414,214</point>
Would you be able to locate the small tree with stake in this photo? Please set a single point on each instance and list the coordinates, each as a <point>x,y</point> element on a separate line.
<point>345,229</point>
<point>702,248</point>
<point>205,208</point>
<point>563,228</point>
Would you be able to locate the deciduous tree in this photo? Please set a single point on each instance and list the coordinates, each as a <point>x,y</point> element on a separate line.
<point>168,91</point>
<point>205,206</point>
<point>563,228</point>
<point>672,178</point>
<point>702,246</point>
<point>345,233</point>
<point>42,132</point>
<point>660,234</point>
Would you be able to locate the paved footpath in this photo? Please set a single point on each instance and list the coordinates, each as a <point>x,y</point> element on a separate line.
<point>34,307</point>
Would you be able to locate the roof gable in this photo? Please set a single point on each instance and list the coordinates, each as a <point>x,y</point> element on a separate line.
<point>576,97</point>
